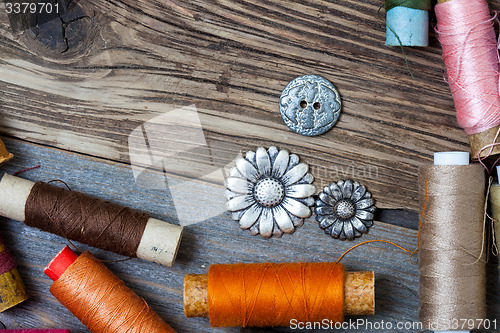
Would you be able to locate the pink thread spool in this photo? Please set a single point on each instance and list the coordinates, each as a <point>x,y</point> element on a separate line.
<point>470,53</point>
<point>35,330</point>
<point>12,289</point>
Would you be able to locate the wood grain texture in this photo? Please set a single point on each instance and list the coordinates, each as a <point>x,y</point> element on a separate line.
<point>71,98</point>
<point>131,61</point>
<point>217,240</point>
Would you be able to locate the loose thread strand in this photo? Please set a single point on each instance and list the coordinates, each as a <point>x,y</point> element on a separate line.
<point>484,244</point>
<point>392,243</point>
<point>490,146</point>
<point>24,170</point>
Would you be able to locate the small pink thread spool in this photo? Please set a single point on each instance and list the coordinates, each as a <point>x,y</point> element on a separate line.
<point>36,330</point>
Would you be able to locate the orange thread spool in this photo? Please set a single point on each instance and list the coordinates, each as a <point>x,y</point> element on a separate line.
<point>274,294</point>
<point>98,298</point>
<point>259,295</point>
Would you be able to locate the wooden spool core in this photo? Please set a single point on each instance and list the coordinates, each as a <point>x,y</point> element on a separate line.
<point>480,140</point>
<point>359,294</point>
<point>5,156</point>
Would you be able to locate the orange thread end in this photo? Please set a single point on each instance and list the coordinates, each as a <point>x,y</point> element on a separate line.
<point>392,243</point>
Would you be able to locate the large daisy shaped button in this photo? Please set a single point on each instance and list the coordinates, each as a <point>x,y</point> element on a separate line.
<point>270,192</point>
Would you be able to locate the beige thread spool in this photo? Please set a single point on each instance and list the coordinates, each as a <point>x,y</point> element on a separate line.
<point>452,268</point>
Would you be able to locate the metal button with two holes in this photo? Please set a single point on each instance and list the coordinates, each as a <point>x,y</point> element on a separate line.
<point>310,105</point>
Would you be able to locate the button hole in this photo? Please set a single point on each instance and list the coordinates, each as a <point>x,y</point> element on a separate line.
<point>317,105</point>
<point>303,104</point>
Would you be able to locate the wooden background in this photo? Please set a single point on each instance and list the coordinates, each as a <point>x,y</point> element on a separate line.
<point>73,88</point>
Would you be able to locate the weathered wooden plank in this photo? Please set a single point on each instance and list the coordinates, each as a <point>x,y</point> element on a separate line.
<point>130,61</point>
<point>217,240</point>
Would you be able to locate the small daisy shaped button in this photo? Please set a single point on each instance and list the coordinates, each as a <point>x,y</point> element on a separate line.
<point>310,105</point>
<point>345,209</point>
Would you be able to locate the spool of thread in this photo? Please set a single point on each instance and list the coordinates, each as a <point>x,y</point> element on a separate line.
<point>495,208</point>
<point>5,156</point>
<point>36,330</point>
<point>452,267</point>
<point>266,295</point>
<point>88,220</point>
<point>408,20</point>
<point>470,53</point>
<point>98,298</point>
<point>12,290</point>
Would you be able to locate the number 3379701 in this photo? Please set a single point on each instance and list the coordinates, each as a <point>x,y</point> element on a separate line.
<point>31,7</point>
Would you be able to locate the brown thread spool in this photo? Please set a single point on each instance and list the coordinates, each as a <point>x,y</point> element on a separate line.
<point>5,156</point>
<point>98,298</point>
<point>12,290</point>
<point>358,292</point>
<point>88,220</point>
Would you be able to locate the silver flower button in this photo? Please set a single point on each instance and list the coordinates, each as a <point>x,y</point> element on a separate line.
<point>269,192</point>
<point>310,105</point>
<point>345,209</point>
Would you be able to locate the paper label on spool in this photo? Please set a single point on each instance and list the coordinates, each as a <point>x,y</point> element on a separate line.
<point>12,290</point>
<point>160,242</point>
<point>451,158</point>
<point>410,25</point>
<point>14,192</point>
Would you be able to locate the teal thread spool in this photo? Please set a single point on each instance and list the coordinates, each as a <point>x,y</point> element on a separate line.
<point>408,20</point>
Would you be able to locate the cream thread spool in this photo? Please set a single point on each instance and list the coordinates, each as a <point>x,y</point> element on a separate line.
<point>434,318</point>
<point>159,243</point>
